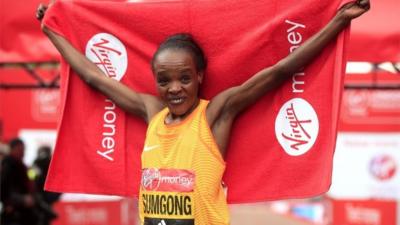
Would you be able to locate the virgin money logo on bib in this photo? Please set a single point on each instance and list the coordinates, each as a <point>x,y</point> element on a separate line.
<point>151,179</point>
<point>296,126</point>
<point>109,54</point>
<point>167,180</point>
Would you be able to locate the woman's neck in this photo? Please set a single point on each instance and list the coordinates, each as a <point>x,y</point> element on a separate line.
<point>174,119</point>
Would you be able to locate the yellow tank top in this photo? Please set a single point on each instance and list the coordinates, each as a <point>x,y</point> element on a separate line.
<point>182,171</point>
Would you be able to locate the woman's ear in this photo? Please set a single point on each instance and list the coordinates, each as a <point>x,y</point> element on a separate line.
<point>200,76</point>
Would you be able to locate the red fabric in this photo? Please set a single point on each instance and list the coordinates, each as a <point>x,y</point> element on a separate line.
<point>239,39</point>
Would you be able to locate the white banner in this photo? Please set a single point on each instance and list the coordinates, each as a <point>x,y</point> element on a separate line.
<point>366,165</point>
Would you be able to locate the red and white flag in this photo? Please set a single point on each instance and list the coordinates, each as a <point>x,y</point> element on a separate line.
<point>282,147</point>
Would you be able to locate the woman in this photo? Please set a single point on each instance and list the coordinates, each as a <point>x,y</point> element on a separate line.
<point>182,160</point>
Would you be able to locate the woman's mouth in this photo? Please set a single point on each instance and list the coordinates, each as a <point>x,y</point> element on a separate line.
<point>176,101</point>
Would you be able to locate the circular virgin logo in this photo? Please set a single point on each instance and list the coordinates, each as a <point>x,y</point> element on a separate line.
<point>296,126</point>
<point>382,167</point>
<point>109,54</point>
<point>151,179</point>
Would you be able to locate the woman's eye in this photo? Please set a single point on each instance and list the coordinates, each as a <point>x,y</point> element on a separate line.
<point>162,82</point>
<point>185,79</point>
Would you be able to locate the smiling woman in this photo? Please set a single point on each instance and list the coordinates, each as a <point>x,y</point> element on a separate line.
<point>183,158</point>
<point>179,65</point>
<point>178,82</point>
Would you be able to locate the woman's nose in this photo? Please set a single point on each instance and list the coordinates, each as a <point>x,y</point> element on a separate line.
<point>175,87</point>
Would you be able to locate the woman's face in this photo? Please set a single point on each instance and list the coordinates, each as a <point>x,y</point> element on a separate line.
<point>177,80</point>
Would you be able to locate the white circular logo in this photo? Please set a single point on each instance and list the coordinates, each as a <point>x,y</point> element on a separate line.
<point>109,54</point>
<point>151,179</point>
<point>383,167</point>
<point>296,126</point>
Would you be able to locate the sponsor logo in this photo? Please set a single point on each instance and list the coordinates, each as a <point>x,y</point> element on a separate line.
<point>149,148</point>
<point>362,215</point>
<point>295,38</point>
<point>45,105</point>
<point>382,167</point>
<point>109,54</point>
<point>151,179</point>
<point>167,180</point>
<point>296,126</point>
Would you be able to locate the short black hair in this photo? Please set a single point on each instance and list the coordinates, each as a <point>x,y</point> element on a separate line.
<point>15,142</point>
<point>186,42</point>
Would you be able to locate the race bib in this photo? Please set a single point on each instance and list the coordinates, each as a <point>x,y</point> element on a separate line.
<point>167,196</point>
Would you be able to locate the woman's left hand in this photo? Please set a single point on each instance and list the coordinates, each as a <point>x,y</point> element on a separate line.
<point>354,9</point>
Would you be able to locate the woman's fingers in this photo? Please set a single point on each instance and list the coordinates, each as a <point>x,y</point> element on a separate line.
<point>41,11</point>
<point>364,4</point>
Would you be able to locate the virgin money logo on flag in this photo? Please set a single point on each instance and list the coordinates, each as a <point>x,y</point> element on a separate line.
<point>296,126</point>
<point>109,54</point>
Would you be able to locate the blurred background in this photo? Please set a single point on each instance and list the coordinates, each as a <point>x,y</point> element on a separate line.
<point>366,176</point>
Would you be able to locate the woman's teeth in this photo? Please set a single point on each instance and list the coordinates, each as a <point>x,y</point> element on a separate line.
<point>176,100</point>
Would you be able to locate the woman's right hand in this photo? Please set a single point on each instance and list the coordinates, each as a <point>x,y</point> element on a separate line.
<point>40,12</point>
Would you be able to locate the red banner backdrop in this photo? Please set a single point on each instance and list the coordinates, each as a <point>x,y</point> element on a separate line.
<point>26,108</point>
<point>21,39</point>
<point>370,109</point>
<point>375,37</point>
<point>356,212</point>
<point>121,212</point>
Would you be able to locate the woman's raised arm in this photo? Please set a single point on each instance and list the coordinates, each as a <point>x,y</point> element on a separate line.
<point>142,105</point>
<point>224,107</point>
